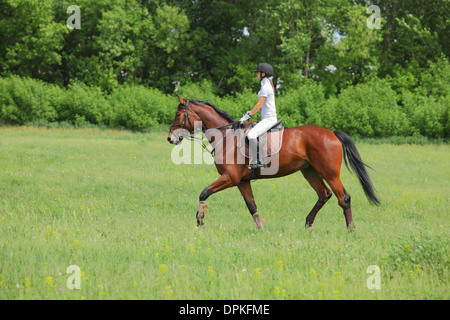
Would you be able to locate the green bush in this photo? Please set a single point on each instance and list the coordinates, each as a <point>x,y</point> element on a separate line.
<point>203,90</point>
<point>428,116</point>
<point>305,105</point>
<point>81,103</point>
<point>139,108</point>
<point>131,108</point>
<point>371,109</point>
<point>23,100</point>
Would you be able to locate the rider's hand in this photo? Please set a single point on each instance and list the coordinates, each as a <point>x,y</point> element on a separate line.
<point>245,117</point>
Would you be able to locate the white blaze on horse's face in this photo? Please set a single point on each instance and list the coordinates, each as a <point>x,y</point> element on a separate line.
<point>173,139</point>
<point>176,136</point>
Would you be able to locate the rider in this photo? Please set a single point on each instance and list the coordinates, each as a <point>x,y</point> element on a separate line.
<point>266,102</point>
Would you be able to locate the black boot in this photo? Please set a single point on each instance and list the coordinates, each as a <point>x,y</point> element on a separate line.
<point>258,163</point>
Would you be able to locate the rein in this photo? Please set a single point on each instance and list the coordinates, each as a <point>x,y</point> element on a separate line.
<point>193,133</point>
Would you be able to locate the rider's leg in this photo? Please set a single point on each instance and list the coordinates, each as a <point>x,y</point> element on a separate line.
<point>263,126</point>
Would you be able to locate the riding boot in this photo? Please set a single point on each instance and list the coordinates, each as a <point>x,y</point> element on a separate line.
<point>254,163</point>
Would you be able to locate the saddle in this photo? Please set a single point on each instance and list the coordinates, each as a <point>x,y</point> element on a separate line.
<point>270,142</point>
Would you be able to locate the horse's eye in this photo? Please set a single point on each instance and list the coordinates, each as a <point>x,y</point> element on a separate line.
<point>177,115</point>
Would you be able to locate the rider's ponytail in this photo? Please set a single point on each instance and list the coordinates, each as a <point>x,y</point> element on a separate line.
<point>273,87</point>
<point>271,82</point>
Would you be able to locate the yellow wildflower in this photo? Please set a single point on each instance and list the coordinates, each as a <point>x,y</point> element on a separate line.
<point>257,273</point>
<point>163,269</point>
<point>168,291</point>
<point>49,280</point>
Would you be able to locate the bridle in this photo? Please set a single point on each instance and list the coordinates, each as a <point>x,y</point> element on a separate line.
<point>185,119</point>
<point>192,136</point>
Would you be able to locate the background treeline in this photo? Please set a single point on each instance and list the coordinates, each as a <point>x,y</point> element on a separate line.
<point>122,68</point>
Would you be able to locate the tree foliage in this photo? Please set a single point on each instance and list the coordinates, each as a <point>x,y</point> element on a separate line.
<point>212,46</point>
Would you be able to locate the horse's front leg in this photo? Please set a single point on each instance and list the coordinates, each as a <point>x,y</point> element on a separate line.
<point>247,194</point>
<point>223,182</point>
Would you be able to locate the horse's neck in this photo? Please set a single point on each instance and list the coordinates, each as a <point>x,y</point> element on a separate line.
<point>210,119</point>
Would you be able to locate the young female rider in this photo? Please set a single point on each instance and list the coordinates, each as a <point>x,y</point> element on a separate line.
<point>266,102</point>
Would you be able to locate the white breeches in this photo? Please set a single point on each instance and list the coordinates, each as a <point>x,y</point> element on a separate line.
<point>262,126</point>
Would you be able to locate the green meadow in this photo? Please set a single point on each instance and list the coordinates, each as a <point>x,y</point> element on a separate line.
<point>115,206</point>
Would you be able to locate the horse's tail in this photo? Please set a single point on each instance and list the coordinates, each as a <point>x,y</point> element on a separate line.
<point>351,155</point>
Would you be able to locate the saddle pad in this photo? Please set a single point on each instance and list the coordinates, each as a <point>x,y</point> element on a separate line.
<point>270,143</point>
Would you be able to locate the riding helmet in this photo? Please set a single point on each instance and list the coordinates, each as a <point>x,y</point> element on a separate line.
<point>266,68</point>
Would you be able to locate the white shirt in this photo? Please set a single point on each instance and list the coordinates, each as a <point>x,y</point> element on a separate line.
<point>268,108</point>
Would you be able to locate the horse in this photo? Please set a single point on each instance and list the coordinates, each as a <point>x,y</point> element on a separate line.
<point>315,151</point>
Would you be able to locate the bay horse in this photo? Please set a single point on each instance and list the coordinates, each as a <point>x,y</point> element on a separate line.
<point>315,151</point>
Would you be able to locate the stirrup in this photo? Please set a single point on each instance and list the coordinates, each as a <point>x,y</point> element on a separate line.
<point>256,165</point>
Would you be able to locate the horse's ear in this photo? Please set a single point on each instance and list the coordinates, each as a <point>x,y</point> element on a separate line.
<point>182,101</point>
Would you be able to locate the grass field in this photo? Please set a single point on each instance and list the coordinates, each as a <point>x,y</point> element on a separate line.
<point>113,204</point>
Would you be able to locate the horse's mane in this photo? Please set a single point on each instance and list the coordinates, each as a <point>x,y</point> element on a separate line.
<point>221,113</point>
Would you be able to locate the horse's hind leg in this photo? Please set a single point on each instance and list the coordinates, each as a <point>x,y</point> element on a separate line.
<point>328,166</point>
<point>246,190</point>
<point>322,191</point>
<point>343,200</point>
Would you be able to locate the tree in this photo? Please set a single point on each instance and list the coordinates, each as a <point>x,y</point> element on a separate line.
<point>414,33</point>
<point>32,42</point>
<point>124,42</point>
<point>353,55</point>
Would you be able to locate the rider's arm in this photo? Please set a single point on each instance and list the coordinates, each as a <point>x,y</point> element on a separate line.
<point>258,106</point>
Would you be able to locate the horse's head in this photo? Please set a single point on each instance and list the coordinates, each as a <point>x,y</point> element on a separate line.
<point>183,123</point>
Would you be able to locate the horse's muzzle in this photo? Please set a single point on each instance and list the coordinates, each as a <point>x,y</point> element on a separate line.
<point>175,141</point>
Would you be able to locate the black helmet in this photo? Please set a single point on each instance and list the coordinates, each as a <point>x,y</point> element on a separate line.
<point>266,68</point>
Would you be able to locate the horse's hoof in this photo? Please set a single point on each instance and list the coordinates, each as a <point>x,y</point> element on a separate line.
<point>259,221</point>
<point>310,228</point>
<point>199,216</point>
